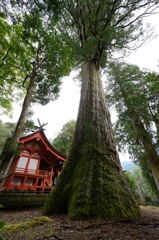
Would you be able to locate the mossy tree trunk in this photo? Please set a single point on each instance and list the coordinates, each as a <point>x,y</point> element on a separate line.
<point>151,153</point>
<point>91,184</point>
<point>11,144</point>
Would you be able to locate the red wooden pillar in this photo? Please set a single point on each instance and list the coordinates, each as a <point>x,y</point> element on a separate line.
<point>51,173</point>
<point>36,183</point>
<point>23,183</point>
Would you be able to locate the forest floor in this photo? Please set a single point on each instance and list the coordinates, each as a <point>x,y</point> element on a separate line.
<point>62,228</point>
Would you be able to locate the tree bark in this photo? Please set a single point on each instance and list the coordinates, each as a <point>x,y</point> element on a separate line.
<point>143,135</point>
<point>11,144</point>
<point>91,184</point>
<point>151,153</point>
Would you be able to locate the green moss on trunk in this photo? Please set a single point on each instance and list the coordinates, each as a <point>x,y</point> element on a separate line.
<point>98,193</point>
<point>95,189</point>
<point>92,184</point>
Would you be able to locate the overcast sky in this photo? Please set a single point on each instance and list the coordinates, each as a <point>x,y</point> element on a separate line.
<point>65,108</point>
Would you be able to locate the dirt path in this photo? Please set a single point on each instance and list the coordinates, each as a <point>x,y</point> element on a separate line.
<point>146,228</point>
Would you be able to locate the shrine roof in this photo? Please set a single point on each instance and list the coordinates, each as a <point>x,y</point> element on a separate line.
<point>40,136</point>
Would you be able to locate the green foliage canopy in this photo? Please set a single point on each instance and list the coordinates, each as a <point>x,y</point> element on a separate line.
<point>63,140</point>
<point>99,28</point>
<point>141,188</point>
<point>11,62</point>
<point>31,47</point>
<point>6,130</point>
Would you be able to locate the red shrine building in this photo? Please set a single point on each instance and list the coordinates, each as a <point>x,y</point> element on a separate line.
<point>36,167</point>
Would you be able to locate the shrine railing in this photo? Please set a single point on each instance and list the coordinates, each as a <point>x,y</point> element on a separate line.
<point>32,171</point>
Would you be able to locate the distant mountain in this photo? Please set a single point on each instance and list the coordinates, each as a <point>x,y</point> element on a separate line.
<point>128,166</point>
